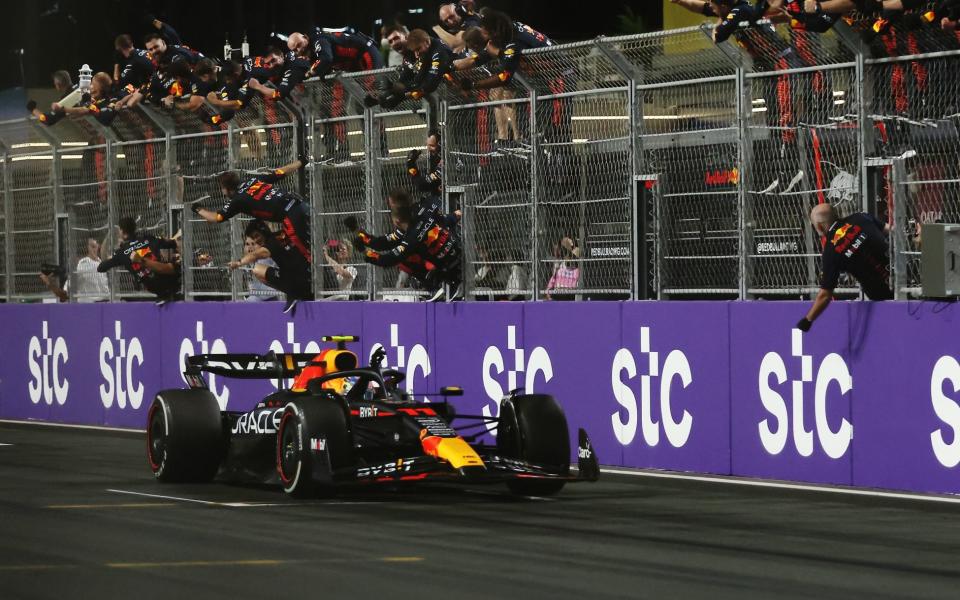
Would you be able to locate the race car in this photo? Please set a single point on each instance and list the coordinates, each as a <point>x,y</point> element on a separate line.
<point>340,425</point>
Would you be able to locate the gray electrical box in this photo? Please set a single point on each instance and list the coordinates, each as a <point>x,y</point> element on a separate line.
<point>941,260</point>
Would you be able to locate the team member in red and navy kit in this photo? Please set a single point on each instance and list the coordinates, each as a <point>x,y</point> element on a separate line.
<point>426,63</point>
<point>324,51</point>
<point>261,199</point>
<point>134,67</point>
<point>140,255</point>
<point>422,232</point>
<point>291,275</point>
<point>856,245</point>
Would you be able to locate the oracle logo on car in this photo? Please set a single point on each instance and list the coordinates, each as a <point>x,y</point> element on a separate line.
<point>536,363</point>
<point>117,360</point>
<point>200,345</point>
<point>413,361</point>
<point>832,369</point>
<point>47,356</point>
<point>676,365</point>
<point>946,369</point>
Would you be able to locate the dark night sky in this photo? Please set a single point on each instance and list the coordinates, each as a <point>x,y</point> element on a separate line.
<point>67,33</point>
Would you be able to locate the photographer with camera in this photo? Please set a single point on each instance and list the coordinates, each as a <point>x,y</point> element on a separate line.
<point>91,286</point>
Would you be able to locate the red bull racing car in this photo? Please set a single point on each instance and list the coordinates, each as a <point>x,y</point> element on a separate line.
<point>341,425</point>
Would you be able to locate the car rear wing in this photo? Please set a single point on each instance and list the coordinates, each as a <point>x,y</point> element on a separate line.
<point>246,366</point>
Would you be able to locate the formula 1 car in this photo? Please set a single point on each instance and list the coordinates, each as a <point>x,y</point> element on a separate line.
<point>341,425</point>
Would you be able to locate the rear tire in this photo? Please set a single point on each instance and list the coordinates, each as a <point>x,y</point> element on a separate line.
<point>298,464</point>
<point>533,428</point>
<point>185,439</point>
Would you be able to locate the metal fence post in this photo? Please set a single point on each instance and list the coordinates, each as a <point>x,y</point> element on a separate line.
<point>742,65</point>
<point>534,188</point>
<point>8,228</point>
<point>633,77</point>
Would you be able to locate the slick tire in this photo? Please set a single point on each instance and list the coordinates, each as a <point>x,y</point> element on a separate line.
<point>313,441</point>
<point>185,437</point>
<point>533,428</point>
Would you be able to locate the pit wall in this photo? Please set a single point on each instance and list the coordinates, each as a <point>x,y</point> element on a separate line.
<point>870,397</point>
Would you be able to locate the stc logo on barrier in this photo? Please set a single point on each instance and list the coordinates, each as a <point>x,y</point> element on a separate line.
<point>832,369</point>
<point>412,362</point>
<point>46,357</point>
<point>116,364</point>
<point>675,366</point>
<point>947,410</point>
<point>187,348</point>
<point>538,362</point>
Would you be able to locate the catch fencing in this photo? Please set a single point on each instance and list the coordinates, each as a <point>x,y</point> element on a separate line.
<point>650,166</point>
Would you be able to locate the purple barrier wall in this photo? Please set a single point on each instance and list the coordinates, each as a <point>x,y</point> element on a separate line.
<point>869,397</point>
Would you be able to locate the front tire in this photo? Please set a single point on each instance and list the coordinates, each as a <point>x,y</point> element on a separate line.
<point>313,441</point>
<point>185,439</point>
<point>533,428</point>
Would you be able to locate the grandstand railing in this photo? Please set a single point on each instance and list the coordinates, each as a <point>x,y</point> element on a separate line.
<point>678,168</point>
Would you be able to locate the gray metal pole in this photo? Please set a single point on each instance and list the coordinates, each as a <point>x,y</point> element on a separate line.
<point>632,75</point>
<point>8,227</point>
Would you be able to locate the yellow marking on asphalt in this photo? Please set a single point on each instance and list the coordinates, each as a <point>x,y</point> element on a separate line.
<point>99,506</point>
<point>402,558</point>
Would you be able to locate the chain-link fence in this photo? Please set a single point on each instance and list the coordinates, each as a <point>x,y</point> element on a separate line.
<point>651,166</point>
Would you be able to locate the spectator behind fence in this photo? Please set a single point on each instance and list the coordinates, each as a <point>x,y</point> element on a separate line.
<point>566,270</point>
<point>856,245</point>
<point>517,280</point>
<point>91,285</point>
<point>258,291</point>
<point>336,254</point>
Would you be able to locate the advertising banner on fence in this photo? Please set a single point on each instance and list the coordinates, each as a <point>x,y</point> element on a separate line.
<point>869,397</point>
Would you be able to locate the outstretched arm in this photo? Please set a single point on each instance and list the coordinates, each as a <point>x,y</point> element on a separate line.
<point>820,304</point>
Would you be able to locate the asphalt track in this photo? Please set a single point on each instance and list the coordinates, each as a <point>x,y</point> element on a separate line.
<point>73,525</point>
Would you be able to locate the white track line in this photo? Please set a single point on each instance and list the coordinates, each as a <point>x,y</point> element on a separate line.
<point>788,486</point>
<point>72,426</point>
<point>5,444</point>
<point>162,497</point>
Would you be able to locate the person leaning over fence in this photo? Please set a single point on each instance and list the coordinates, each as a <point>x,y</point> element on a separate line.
<point>426,63</point>
<point>140,254</point>
<point>133,68</point>
<point>259,197</point>
<point>99,104</point>
<point>424,234</point>
<point>291,275</point>
<point>193,86</point>
<point>506,40</point>
<point>856,245</point>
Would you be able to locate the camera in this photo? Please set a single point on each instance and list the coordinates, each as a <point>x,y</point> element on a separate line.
<point>49,269</point>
